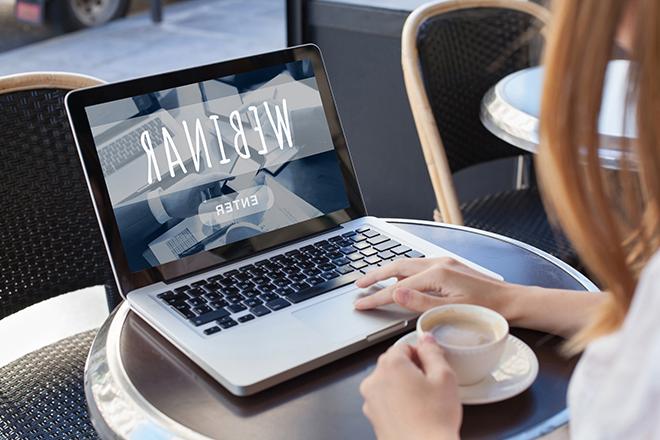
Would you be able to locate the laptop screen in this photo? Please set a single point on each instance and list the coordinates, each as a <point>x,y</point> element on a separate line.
<point>197,167</point>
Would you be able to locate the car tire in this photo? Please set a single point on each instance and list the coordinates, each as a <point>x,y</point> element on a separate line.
<point>71,15</point>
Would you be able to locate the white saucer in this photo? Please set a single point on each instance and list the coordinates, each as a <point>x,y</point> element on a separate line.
<point>517,370</point>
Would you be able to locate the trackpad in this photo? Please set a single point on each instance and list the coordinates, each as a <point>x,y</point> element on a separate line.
<point>337,319</point>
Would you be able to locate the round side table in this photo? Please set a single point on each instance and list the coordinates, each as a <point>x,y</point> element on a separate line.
<point>140,386</point>
<point>510,110</point>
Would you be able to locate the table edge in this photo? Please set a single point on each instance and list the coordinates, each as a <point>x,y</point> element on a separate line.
<point>577,275</point>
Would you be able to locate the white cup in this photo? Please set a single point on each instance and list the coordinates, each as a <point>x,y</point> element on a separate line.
<point>471,363</point>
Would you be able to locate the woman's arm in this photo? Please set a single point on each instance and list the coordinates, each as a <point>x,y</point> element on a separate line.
<point>560,312</point>
<point>429,282</point>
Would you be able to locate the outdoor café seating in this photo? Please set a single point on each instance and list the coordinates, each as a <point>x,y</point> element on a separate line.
<point>329,219</point>
<point>51,246</point>
<point>452,54</point>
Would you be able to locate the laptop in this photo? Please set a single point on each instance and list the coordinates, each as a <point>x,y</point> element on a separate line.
<point>259,285</point>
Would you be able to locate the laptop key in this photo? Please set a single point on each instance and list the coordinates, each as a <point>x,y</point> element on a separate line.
<point>201,310</point>
<point>244,285</point>
<point>260,310</point>
<point>322,288</point>
<point>269,297</point>
<point>218,304</point>
<point>347,250</point>
<point>314,281</point>
<point>377,239</point>
<point>251,293</point>
<point>195,292</point>
<point>281,282</point>
<point>199,283</point>
<point>212,296</point>
<point>401,249</point>
<point>370,233</point>
<point>355,256</point>
<point>181,289</point>
<point>227,323</point>
<point>298,277</point>
<point>291,270</point>
<point>386,255</point>
<point>212,330</point>
<point>235,308</point>
<point>368,252</point>
<point>414,254</point>
<point>283,291</point>
<point>372,260</point>
<point>185,312</point>
<point>196,302</point>
<point>278,304</point>
<point>362,229</point>
<point>246,318</point>
<point>361,245</point>
<point>345,269</point>
<point>387,245</point>
<point>348,234</point>
<point>165,295</point>
<point>358,264</point>
<point>330,275</point>
<point>266,288</point>
<point>252,302</point>
<point>176,300</point>
<point>358,238</point>
<point>213,315</point>
<point>327,267</point>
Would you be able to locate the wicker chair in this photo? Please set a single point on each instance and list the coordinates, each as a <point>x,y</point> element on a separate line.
<point>452,53</point>
<point>51,245</point>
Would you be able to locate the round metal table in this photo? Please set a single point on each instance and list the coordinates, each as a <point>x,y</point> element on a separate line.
<point>139,386</point>
<point>510,110</point>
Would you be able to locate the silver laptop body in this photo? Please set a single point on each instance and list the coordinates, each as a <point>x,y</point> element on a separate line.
<point>286,336</point>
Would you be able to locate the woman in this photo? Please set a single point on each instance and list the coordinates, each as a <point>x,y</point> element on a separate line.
<point>612,220</point>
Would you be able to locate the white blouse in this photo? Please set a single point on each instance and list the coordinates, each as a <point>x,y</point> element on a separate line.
<point>615,390</point>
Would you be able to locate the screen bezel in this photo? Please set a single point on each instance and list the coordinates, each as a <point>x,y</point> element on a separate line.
<point>78,100</point>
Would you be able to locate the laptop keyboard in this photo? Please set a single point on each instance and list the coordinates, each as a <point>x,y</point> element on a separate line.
<point>255,290</point>
<point>128,147</point>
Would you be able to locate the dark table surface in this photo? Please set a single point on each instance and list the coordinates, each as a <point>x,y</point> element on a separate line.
<point>138,383</point>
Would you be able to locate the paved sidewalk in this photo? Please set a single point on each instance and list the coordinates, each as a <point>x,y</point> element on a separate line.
<point>192,33</point>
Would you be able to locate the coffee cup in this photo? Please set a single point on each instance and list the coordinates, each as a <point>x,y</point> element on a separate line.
<point>472,337</point>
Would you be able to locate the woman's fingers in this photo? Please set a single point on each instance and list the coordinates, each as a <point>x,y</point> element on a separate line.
<point>398,269</point>
<point>415,300</point>
<point>432,359</point>
<point>378,299</point>
<point>415,284</point>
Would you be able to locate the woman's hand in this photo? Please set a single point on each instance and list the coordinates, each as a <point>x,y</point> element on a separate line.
<point>413,394</point>
<point>424,283</point>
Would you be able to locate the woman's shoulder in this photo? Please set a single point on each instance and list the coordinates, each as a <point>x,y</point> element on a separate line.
<point>622,367</point>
